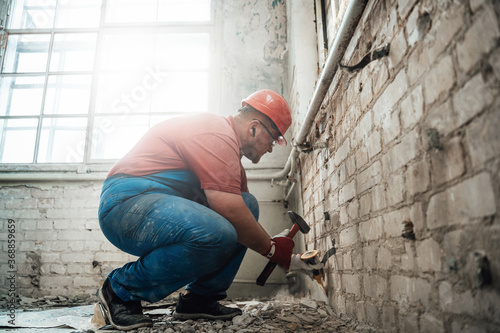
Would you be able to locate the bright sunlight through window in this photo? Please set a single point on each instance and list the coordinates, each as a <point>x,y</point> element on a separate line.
<point>82,80</point>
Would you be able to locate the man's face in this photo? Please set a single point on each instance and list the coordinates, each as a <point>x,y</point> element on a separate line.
<point>263,141</point>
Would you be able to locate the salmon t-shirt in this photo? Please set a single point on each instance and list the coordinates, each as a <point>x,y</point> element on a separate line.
<point>206,144</point>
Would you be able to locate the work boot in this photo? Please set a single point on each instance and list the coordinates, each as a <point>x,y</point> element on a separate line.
<point>194,306</point>
<point>120,314</point>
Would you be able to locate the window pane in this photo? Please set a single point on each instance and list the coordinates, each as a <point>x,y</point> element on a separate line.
<point>78,14</point>
<point>62,140</point>
<point>21,96</point>
<point>183,10</point>
<point>73,52</point>
<point>182,92</point>
<point>32,14</point>
<point>124,93</point>
<point>120,11</point>
<point>114,136</point>
<point>17,140</point>
<point>182,51</point>
<point>67,94</point>
<point>26,53</point>
<point>133,51</point>
<point>146,73</point>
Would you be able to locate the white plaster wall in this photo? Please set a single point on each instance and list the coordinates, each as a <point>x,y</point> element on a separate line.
<point>254,57</point>
<point>302,58</point>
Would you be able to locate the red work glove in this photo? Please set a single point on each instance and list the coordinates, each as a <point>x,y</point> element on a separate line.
<point>281,251</point>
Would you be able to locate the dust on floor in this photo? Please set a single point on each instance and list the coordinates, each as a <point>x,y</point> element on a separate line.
<point>281,313</point>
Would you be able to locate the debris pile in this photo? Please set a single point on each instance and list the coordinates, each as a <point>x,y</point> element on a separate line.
<point>47,302</point>
<point>280,314</point>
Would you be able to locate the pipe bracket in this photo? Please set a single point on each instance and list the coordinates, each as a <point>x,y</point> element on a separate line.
<point>371,56</point>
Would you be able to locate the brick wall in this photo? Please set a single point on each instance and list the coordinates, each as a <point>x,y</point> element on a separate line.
<point>413,142</point>
<point>60,249</point>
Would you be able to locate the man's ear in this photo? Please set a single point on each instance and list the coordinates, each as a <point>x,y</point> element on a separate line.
<point>253,127</point>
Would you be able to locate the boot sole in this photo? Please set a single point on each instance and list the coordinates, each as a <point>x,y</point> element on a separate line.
<point>186,316</point>
<point>107,316</point>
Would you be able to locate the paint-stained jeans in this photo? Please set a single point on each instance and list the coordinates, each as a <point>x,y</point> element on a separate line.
<point>179,241</point>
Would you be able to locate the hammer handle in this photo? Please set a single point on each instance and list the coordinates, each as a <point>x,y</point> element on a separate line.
<point>261,280</point>
<point>295,229</point>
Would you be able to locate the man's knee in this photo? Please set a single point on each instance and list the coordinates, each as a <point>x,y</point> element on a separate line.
<point>251,203</point>
<point>219,233</point>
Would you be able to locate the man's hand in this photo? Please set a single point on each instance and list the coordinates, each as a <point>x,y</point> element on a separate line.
<point>281,250</point>
<point>299,265</point>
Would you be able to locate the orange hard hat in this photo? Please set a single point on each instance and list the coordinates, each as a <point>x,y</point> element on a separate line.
<point>272,105</point>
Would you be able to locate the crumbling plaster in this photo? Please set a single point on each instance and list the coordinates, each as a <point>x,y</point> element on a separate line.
<point>254,48</point>
<point>253,57</point>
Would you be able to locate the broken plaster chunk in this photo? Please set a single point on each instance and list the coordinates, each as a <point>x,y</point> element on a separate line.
<point>330,311</point>
<point>267,307</point>
<point>322,313</point>
<point>187,327</point>
<point>244,320</point>
<point>289,319</point>
<point>27,300</point>
<point>305,319</point>
<point>249,303</point>
<point>309,303</point>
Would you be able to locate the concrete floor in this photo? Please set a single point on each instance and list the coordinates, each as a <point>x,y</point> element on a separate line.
<point>280,314</point>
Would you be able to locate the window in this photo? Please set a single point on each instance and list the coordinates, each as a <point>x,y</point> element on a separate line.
<point>82,80</point>
<point>321,9</point>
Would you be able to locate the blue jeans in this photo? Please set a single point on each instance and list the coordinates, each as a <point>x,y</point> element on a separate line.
<point>179,240</point>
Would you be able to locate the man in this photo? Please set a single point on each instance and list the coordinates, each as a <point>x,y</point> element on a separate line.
<point>179,200</point>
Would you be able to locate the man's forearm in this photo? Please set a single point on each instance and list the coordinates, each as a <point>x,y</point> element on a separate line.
<point>231,206</point>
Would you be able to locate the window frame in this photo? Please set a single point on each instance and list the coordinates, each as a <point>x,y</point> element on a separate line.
<point>212,27</point>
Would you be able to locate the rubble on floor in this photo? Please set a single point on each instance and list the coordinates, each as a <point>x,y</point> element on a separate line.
<point>48,302</point>
<point>281,313</point>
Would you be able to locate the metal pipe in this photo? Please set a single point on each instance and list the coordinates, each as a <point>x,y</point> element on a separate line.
<point>290,191</point>
<point>346,30</point>
<point>276,175</point>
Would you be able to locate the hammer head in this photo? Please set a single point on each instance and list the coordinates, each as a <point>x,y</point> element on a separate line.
<point>297,219</point>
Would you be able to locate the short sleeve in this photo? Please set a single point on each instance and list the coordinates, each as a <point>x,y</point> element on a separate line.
<point>215,160</point>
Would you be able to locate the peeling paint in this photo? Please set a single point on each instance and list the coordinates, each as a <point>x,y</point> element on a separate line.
<point>275,3</point>
<point>255,46</point>
<point>34,262</point>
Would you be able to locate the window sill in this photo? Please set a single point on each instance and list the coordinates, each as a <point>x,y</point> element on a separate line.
<point>19,173</point>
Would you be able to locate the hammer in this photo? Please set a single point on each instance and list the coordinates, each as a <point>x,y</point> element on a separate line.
<point>298,224</point>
